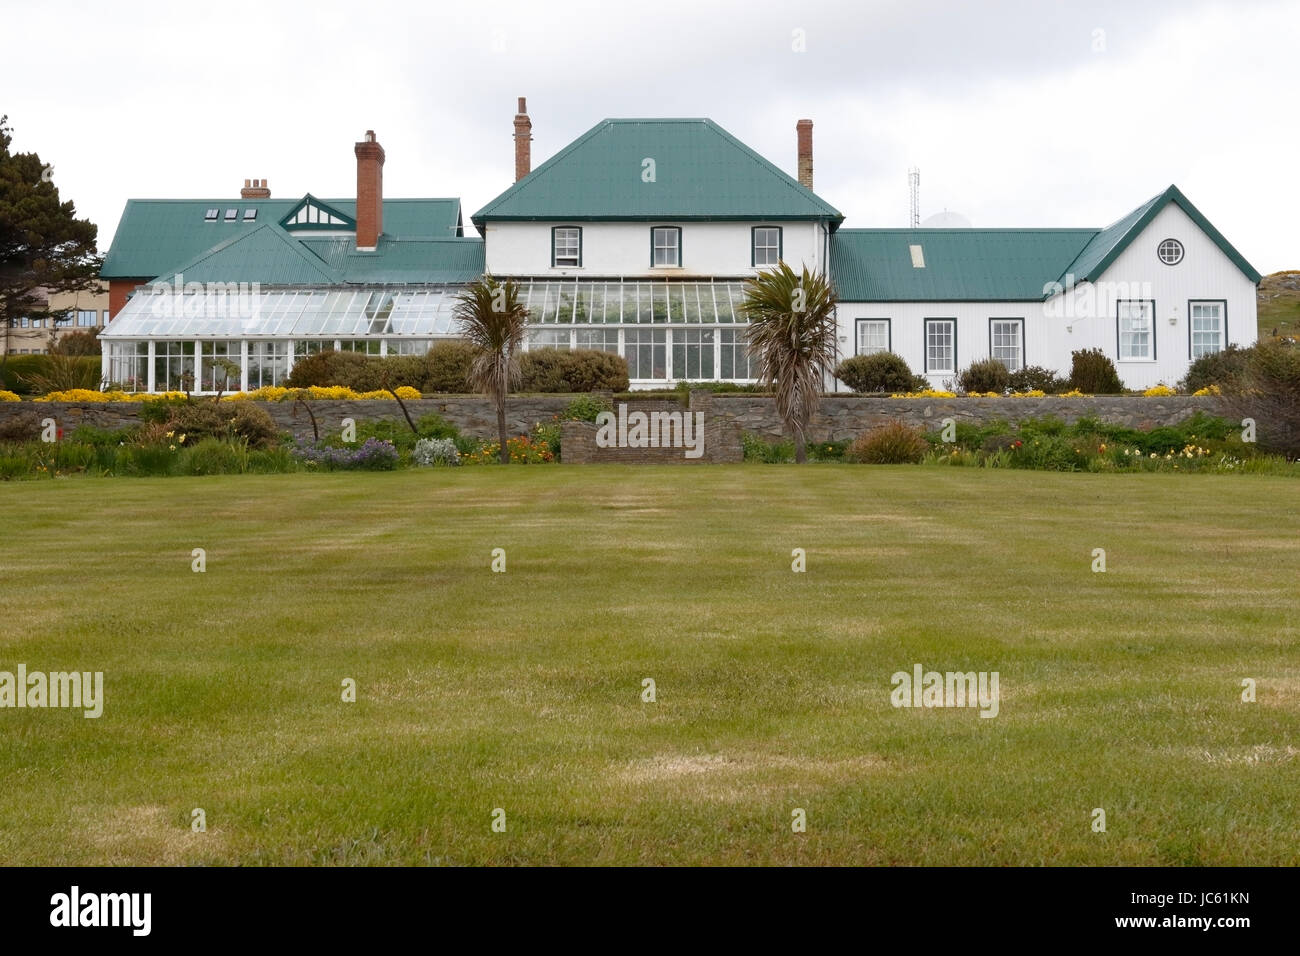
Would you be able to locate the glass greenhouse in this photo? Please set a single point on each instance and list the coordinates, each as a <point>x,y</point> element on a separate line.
<point>166,336</point>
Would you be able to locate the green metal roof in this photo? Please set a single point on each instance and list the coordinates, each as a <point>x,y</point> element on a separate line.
<point>403,260</point>
<point>156,236</point>
<point>271,256</point>
<point>961,265</point>
<point>701,172</point>
<point>267,254</point>
<point>993,265</point>
<point>1108,243</point>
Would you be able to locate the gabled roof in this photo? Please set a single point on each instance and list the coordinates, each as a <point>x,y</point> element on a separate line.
<point>701,172</point>
<point>961,265</point>
<point>156,236</point>
<point>267,254</point>
<point>1108,243</point>
<point>311,213</point>
<point>993,265</point>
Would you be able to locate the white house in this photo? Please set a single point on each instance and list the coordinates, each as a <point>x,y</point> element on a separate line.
<point>637,238</point>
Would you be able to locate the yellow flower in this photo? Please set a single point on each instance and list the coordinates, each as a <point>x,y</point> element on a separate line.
<point>181,439</point>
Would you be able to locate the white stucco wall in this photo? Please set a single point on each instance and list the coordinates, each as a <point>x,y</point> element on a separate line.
<point>623,248</point>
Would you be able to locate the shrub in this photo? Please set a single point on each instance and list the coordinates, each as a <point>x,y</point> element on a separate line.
<point>986,375</point>
<point>238,420</point>
<point>769,452</point>
<point>59,372</point>
<point>211,456</point>
<point>446,367</point>
<point>1269,392</point>
<point>878,372</point>
<point>1035,378</point>
<point>894,443</point>
<point>330,368</point>
<point>6,396</point>
<point>1219,369</point>
<point>84,342</point>
<point>1159,391</point>
<point>1092,371</point>
<point>435,451</point>
<point>579,370</point>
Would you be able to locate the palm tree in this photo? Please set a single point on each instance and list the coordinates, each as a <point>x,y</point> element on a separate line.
<point>492,320</point>
<point>792,339</point>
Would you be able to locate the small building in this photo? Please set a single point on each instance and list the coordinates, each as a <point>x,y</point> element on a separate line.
<point>637,238</point>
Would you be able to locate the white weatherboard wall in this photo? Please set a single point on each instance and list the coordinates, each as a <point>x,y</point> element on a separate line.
<point>1085,317</point>
<point>623,248</point>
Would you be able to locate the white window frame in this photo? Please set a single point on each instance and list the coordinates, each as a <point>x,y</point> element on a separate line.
<point>862,326</point>
<point>675,246</point>
<point>771,249</point>
<point>1019,325</point>
<point>573,240</point>
<point>951,323</point>
<point>1221,318</point>
<point>1124,316</point>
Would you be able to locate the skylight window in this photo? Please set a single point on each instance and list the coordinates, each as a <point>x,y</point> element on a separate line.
<point>231,214</point>
<point>918,257</point>
<point>211,215</point>
<point>250,215</point>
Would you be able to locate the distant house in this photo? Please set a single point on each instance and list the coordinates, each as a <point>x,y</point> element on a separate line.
<point>637,238</point>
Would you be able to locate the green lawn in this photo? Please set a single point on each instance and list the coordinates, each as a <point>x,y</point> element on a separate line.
<point>523,690</point>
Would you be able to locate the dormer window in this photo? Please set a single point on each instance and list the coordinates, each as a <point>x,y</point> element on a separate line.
<point>666,246</point>
<point>566,247</point>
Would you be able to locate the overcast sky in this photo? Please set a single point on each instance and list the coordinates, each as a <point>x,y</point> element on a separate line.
<point>1018,112</point>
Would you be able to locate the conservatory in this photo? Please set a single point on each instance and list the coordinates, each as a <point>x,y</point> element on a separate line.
<point>170,338</point>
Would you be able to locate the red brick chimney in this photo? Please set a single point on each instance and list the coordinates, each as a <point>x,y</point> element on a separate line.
<point>370,191</point>
<point>256,189</point>
<point>804,129</point>
<point>523,141</point>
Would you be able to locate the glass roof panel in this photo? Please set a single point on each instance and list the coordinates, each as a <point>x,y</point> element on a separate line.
<point>423,311</point>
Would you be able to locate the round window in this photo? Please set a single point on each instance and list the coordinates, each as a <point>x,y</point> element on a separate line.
<point>1170,252</point>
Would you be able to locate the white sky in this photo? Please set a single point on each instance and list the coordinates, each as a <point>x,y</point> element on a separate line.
<point>1011,113</point>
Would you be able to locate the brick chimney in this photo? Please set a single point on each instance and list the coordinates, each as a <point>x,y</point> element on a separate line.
<point>804,129</point>
<point>523,141</point>
<point>370,191</point>
<point>256,189</point>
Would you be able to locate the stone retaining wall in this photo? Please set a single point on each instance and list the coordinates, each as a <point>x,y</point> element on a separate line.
<point>844,417</point>
<point>840,417</point>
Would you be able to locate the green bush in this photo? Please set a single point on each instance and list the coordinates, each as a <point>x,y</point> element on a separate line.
<point>351,369</point>
<point>878,372</point>
<point>769,452</point>
<point>446,368</point>
<point>1223,369</point>
<point>1092,371</point>
<point>986,375</point>
<point>91,435</point>
<point>211,456</point>
<point>894,443</point>
<point>1036,378</point>
<point>223,420</point>
<point>1269,392</point>
<point>579,370</point>
<point>38,374</point>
